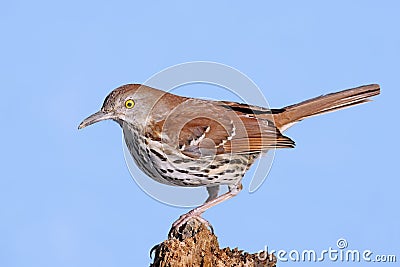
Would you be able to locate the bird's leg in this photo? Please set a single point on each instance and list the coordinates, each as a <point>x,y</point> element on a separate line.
<point>212,192</point>
<point>212,200</point>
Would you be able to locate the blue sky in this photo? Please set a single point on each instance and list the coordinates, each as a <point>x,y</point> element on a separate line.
<point>66,196</point>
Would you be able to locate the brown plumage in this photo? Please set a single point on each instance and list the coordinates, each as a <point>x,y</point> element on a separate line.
<point>185,141</point>
<point>324,104</point>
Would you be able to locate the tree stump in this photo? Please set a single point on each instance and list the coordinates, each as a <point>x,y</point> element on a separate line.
<point>196,245</point>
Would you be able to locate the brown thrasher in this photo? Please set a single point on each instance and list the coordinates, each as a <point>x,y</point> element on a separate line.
<point>188,142</point>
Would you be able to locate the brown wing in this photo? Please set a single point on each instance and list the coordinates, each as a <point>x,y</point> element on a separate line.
<point>202,128</point>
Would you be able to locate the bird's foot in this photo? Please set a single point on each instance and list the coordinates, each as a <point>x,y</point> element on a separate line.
<point>180,225</point>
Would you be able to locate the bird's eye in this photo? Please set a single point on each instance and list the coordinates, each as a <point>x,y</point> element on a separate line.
<point>129,103</point>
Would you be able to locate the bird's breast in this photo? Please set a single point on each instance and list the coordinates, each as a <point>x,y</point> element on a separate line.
<point>167,165</point>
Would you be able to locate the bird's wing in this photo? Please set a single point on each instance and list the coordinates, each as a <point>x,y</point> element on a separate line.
<point>203,128</point>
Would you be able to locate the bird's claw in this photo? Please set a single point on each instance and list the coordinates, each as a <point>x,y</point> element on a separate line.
<point>154,250</point>
<point>184,219</point>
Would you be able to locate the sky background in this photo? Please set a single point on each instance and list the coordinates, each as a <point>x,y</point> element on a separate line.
<point>66,196</point>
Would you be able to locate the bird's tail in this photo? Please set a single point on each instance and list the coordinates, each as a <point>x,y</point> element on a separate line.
<point>286,117</point>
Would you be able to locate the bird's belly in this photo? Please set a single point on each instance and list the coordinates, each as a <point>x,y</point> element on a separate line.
<point>180,170</point>
<point>167,165</point>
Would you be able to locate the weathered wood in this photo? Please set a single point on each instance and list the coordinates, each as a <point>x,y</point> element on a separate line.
<point>196,245</point>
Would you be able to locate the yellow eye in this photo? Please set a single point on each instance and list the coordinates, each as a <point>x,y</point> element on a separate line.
<point>129,103</point>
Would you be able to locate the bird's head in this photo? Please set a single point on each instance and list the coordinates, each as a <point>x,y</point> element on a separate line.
<point>131,103</point>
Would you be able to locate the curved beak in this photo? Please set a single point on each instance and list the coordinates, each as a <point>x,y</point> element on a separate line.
<point>96,117</point>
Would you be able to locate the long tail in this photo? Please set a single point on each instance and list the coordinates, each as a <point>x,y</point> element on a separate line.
<point>286,117</point>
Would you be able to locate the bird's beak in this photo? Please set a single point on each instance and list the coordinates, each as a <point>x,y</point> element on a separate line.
<point>96,117</point>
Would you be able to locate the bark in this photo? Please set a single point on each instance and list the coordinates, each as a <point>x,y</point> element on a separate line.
<point>196,245</point>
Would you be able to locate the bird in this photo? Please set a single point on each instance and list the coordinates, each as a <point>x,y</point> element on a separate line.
<point>191,142</point>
